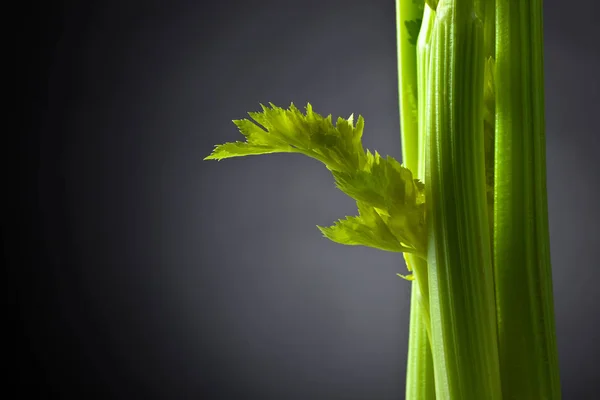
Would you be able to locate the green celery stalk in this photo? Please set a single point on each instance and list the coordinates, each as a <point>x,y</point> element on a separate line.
<point>419,376</point>
<point>463,320</point>
<point>422,66</point>
<point>523,276</point>
<point>420,383</point>
<point>408,21</point>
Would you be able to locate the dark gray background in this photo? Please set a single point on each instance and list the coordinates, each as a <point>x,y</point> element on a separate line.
<point>163,276</point>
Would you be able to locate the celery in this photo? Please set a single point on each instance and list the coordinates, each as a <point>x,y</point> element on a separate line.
<point>419,376</point>
<point>408,23</point>
<point>460,261</point>
<point>527,343</point>
<point>468,208</point>
<point>420,380</point>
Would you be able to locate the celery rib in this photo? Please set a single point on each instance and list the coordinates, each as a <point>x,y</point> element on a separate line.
<point>419,375</point>
<point>523,276</point>
<point>464,336</point>
<point>419,378</point>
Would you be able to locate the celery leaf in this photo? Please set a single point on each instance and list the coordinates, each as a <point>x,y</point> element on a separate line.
<point>367,229</point>
<point>390,202</point>
<point>276,130</point>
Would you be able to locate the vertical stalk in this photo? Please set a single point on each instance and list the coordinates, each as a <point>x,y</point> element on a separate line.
<point>523,276</point>
<point>461,291</point>
<point>419,378</point>
<point>408,19</point>
<point>423,51</point>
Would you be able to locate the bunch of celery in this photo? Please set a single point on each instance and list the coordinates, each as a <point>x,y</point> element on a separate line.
<point>468,208</point>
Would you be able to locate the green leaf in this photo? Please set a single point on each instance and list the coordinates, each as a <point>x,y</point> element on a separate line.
<point>276,130</point>
<point>390,201</point>
<point>367,229</point>
<point>237,149</point>
<point>382,183</point>
<point>390,188</point>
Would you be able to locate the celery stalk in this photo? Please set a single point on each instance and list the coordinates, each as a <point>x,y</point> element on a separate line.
<point>419,374</point>
<point>422,63</point>
<point>463,321</point>
<point>419,377</point>
<point>523,276</point>
<point>408,19</point>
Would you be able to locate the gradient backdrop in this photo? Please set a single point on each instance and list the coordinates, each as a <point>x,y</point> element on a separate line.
<point>143,272</point>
